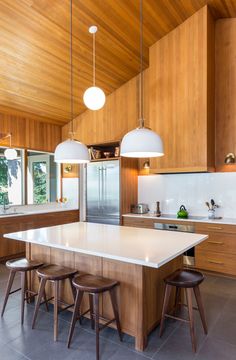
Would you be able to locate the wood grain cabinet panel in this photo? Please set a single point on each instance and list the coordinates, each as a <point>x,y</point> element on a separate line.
<point>181,104</point>
<point>218,252</point>
<point>12,248</point>
<point>216,261</point>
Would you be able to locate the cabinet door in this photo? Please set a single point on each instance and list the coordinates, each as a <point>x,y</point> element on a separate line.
<point>178,107</point>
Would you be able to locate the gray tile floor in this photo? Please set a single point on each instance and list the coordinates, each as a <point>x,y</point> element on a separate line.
<point>20,342</point>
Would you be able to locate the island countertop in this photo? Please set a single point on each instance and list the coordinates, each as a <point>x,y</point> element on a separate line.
<point>147,247</point>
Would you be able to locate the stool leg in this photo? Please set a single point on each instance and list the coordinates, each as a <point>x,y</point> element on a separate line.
<point>45,299</point>
<point>78,300</point>
<point>191,321</point>
<point>8,289</point>
<point>91,310</point>
<point>23,292</point>
<point>200,307</point>
<point>165,307</point>
<point>38,301</point>
<point>73,290</point>
<point>96,317</point>
<point>177,299</point>
<point>56,296</point>
<point>115,310</point>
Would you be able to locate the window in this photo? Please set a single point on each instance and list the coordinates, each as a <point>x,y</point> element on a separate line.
<point>42,178</point>
<point>11,175</point>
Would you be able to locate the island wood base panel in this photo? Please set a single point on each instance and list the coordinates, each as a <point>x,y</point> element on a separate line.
<point>140,294</point>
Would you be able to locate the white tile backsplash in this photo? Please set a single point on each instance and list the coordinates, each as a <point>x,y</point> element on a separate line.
<point>192,190</point>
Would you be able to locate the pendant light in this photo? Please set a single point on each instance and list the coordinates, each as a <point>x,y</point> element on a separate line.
<point>94,97</point>
<point>10,154</point>
<point>71,151</point>
<point>141,142</point>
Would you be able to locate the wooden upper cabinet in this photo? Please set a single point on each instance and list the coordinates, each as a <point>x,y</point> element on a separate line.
<point>181,96</point>
<point>225,92</point>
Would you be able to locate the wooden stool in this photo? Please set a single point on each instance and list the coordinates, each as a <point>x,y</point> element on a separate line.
<point>188,280</point>
<point>94,285</point>
<point>23,266</point>
<point>53,273</point>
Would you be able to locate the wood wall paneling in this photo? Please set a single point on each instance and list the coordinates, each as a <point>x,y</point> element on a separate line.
<point>29,133</point>
<point>129,184</point>
<point>179,100</point>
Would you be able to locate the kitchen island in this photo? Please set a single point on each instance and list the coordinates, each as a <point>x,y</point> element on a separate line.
<point>139,258</point>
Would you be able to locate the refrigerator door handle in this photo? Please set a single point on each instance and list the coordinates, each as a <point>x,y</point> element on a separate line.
<point>99,186</point>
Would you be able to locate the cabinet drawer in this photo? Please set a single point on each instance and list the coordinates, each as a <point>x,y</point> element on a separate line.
<point>137,222</point>
<point>201,228</point>
<point>213,261</point>
<point>219,242</point>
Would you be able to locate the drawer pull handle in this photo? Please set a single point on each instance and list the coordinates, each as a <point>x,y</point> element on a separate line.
<point>215,227</point>
<point>215,242</point>
<point>215,262</point>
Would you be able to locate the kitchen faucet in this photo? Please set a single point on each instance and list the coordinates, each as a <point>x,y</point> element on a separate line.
<point>6,203</point>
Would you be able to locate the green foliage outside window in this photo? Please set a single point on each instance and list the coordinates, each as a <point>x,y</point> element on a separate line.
<point>8,170</point>
<point>40,182</point>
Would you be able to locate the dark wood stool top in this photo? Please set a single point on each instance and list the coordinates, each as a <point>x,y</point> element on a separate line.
<point>185,278</point>
<point>22,264</point>
<point>55,272</point>
<point>93,284</point>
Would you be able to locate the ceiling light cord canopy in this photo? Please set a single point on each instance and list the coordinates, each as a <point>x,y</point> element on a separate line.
<point>141,142</point>
<point>94,97</point>
<point>10,154</point>
<point>71,151</point>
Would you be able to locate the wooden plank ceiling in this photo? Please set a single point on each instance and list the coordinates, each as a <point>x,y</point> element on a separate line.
<point>34,47</point>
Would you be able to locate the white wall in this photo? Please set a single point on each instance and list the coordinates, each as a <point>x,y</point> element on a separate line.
<point>70,190</point>
<point>192,190</point>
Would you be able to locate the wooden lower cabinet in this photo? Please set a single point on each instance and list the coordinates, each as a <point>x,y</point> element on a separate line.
<point>12,248</point>
<point>217,253</point>
<point>139,295</point>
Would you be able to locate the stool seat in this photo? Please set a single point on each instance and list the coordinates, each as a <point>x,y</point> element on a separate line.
<point>185,278</point>
<point>55,272</point>
<point>22,264</point>
<point>93,284</point>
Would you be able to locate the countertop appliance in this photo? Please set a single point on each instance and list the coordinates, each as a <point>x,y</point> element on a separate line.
<point>139,209</point>
<point>103,192</point>
<point>189,256</point>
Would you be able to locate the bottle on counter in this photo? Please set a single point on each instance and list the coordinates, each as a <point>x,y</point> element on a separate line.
<point>158,211</point>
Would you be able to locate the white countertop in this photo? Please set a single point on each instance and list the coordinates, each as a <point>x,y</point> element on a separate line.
<point>16,211</point>
<point>146,247</point>
<point>199,219</point>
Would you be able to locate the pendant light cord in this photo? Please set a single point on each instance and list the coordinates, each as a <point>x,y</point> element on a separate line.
<point>141,105</point>
<point>94,59</point>
<point>71,69</point>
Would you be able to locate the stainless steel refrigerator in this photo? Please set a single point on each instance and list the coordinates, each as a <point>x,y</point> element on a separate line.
<point>103,192</point>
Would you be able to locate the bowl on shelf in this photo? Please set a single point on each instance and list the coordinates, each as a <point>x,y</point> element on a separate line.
<point>107,154</point>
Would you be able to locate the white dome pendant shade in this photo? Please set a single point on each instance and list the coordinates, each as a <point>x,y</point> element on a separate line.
<point>71,151</point>
<point>10,154</point>
<point>141,143</point>
<point>94,97</point>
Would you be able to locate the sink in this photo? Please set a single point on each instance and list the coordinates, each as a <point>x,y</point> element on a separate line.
<point>11,214</point>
